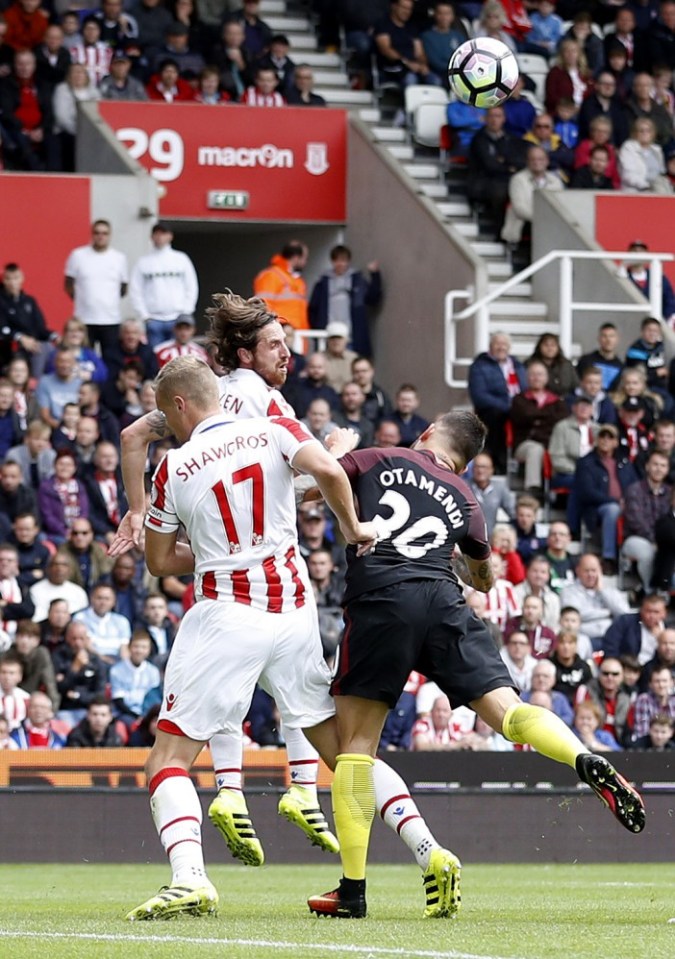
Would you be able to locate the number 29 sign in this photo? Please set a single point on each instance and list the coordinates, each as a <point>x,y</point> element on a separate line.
<point>291,161</point>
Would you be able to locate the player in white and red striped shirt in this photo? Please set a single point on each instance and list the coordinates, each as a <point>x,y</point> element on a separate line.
<point>264,93</point>
<point>231,486</point>
<point>251,348</point>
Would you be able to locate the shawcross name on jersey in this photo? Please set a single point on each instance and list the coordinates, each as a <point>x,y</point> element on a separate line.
<point>205,457</point>
<point>399,476</point>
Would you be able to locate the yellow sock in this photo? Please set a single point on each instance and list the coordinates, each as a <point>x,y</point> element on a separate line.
<point>353,810</point>
<point>542,729</point>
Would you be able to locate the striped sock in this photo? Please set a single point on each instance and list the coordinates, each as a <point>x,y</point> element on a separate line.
<point>226,757</point>
<point>177,814</point>
<point>303,759</point>
<point>399,811</point>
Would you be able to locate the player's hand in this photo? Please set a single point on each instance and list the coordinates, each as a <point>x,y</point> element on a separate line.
<point>342,441</point>
<point>364,536</point>
<point>128,534</point>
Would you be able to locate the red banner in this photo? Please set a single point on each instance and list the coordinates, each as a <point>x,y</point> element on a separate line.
<point>623,218</point>
<point>239,163</point>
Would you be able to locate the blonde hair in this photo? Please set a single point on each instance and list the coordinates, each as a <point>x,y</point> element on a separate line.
<point>189,377</point>
<point>618,395</point>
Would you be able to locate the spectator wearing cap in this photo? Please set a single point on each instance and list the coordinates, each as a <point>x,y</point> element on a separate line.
<point>571,439</point>
<point>277,59</point>
<point>646,501</point>
<point>633,432</point>
<point>600,482</point>
<point>176,47</point>
<point>181,344</point>
<point>163,285</point>
<point>119,84</point>
<point>167,84</point>
<point>300,93</point>
<point>338,358</point>
<point>344,295</point>
<point>638,274</point>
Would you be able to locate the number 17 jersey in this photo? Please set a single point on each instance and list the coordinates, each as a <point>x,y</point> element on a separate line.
<point>422,510</point>
<point>231,486</point>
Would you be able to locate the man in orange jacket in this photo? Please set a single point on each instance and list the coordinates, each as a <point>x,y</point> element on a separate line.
<point>282,287</point>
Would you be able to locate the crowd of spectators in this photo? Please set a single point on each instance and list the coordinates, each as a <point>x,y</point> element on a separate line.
<point>53,57</point>
<point>84,638</point>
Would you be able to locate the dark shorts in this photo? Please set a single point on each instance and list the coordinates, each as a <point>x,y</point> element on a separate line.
<point>422,625</point>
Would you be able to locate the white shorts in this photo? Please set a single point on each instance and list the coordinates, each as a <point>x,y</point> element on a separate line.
<point>223,649</point>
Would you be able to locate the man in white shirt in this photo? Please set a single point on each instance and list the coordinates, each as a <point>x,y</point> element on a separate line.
<point>163,286</point>
<point>598,605</point>
<point>96,279</point>
<point>110,632</point>
<point>57,584</point>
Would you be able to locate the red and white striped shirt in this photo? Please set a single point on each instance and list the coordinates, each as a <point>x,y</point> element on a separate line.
<point>254,98</point>
<point>13,706</point>
<point>231,486</point>
<point>170,349</point>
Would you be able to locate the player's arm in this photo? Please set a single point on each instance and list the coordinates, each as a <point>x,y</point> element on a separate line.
<point>135,440</point>
<point>165,556</point>
<point>474,572</point>
<point>338,443</point>
<point>334,485</point>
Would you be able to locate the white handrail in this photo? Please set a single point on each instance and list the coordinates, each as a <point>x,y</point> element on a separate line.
<point>567,304</point>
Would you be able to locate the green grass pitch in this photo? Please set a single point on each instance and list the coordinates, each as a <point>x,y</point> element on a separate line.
<point>509,912</point>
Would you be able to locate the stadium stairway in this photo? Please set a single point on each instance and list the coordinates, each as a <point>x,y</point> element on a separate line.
<point>515,313</point>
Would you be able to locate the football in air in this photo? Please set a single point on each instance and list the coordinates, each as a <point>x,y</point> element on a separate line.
<point>483,72</point>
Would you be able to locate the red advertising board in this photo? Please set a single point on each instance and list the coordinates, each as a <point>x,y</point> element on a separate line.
<point>622,218</point>
<point>45,216</point>
<point>239,163</point>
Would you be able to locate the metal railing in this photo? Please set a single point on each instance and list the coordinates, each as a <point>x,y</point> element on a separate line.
<point>566,302</point>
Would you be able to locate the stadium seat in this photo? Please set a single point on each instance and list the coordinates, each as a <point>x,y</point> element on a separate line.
<point>422,93</point>
<point>549,491</point>
<point>536,67</point>
<point>428,119</point>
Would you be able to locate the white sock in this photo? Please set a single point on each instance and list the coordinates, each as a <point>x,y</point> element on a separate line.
<point>226,757</point>
<point>400,813</point>
<point>177,814</point>
<point>303,759</point>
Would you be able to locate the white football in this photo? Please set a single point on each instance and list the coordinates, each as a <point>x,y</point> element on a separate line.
<point>483,72</point>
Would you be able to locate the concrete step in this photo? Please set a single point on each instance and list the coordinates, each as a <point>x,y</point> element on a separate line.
<point>499,268</point>
<point>300,42</point>
<point>421,171</point>
<point>467,228</point>
<point>522,308</point>
<point>521,289</point>
<point>338,97</point>
<point>270,7</point>
<point>330,78</point>
<point>389,134</point>
<point>435,191</point>
<point>401,151</point>
<point>457,208</point>
<point>369,115</point>
<point>324,61</point>
<point>488,248</point>
<point>288,25</point>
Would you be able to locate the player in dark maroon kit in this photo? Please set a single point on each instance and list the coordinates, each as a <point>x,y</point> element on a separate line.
<point>404,611</point>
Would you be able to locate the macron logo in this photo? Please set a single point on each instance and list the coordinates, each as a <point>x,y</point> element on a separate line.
<point>399,810</point>
<point>294,774</point>
<point>170,702</point>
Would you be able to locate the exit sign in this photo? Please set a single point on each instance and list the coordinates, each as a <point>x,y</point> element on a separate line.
<point>227,200</point>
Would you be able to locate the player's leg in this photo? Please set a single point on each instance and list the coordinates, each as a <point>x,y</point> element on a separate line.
<point>359,726</point>
<point>300,803</point>
<point>177,814</point>
<point>228,811</point>
<point>521,722</point>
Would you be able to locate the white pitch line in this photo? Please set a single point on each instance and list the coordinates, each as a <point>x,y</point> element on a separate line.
<point>259,943</point>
